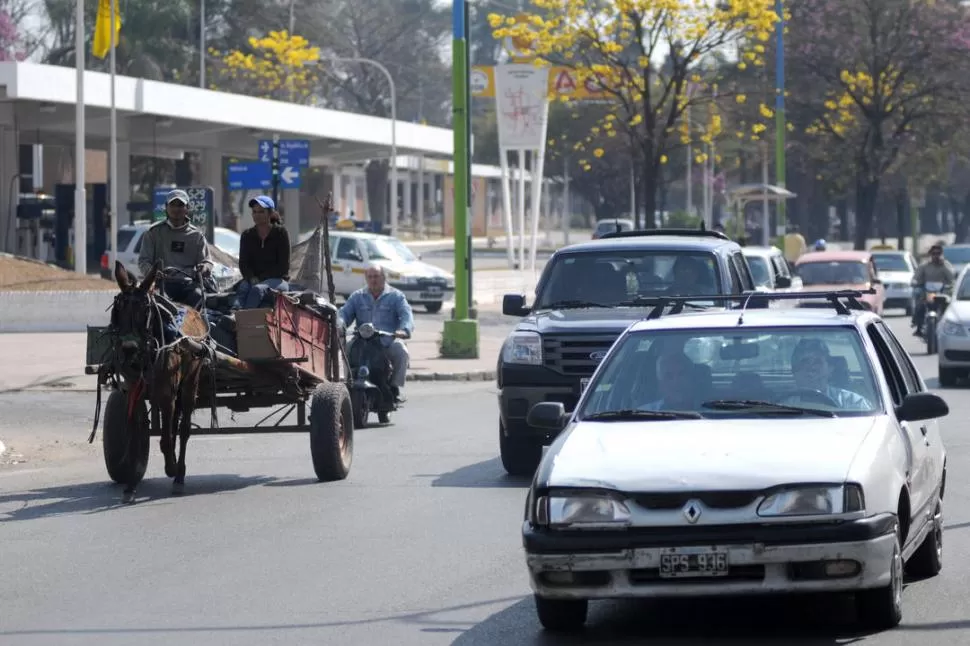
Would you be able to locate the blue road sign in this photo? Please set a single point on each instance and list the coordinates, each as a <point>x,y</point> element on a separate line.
<point>293,152</point>
<point>248,176</point>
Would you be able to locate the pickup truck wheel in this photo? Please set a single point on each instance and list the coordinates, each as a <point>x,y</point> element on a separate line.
<point>561,615</point>
<point>882,608</point>
<point>520,455</point>
<point>927,560</point>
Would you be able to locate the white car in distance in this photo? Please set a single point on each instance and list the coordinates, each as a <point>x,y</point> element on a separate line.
<point>714,453</point>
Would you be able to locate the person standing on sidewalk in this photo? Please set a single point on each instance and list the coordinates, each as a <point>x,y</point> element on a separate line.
<point>264,255</point>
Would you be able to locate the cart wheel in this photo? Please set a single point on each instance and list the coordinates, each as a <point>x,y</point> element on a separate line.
<point>331,431</point>
<point>361,409</point>
<point>125,455</point>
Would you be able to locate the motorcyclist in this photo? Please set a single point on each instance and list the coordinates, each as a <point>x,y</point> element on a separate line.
<point>934,270</point>
<point>389,311</point>
<point>178,243</point>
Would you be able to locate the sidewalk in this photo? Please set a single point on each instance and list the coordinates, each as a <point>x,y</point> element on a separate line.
<point>55,361</point>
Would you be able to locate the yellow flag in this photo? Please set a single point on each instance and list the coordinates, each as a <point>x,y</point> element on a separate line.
<point>102,29</point>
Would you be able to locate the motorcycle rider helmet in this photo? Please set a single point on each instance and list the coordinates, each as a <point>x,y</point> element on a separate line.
<point>820,244</point>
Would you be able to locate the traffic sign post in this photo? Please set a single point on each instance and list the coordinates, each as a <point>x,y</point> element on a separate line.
<point>258,176</point>
<point>293,152</point>
<point>276,170</point>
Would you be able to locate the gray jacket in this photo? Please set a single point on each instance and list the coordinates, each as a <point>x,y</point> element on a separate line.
<point>183,248</point>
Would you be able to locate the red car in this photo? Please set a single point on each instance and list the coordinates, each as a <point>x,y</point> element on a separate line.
<point>834,270</point>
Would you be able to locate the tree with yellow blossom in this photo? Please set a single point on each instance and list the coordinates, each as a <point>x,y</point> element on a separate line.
<point>279,66</point>
<point>646,54</point>
<point>883,76</point>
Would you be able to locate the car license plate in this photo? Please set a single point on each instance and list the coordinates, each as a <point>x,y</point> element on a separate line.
<point>434,289</point>
<point>693,563</point>
<point>433,296</point>
<point>583,383</point>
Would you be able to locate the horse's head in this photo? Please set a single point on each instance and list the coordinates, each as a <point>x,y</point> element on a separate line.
<point>134,321</point>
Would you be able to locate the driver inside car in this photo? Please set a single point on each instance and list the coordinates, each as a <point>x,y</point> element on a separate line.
<point>388,310</point>
<point>811,366</point>
<point>676,383</point>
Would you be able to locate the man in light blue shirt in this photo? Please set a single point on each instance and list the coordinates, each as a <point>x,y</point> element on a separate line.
<point>676,382</point>
<point>389,311</point>
<point>811,367</point>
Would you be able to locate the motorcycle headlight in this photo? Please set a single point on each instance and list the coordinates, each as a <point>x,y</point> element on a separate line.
<point>366,330</point>
<point>363,372</point>
<point>813,501</point>
<point>524,348</point>
<point>581,511</point>
<point>951,328</point>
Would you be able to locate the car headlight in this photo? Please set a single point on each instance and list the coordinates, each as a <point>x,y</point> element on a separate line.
<point>951,328</point>
<point>584,511</point>
<point>523,347</point>
<point>813,501</point>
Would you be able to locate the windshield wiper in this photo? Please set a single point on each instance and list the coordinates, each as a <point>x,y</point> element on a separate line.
<point>746,404</point>
<point>631,414</point>
<point>574,304</point>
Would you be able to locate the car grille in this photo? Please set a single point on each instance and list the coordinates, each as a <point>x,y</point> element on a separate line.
<point>710,499</point>
<point>432,282</point>
<point>570,354</point>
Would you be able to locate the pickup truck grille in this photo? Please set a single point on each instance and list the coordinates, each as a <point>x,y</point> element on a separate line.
<point>569,354</point>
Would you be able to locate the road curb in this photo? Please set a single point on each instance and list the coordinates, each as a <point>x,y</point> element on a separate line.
<point>470,375</point>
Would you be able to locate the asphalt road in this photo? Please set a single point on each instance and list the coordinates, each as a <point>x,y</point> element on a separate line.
<point>419,546</point>
<point>482,260</point>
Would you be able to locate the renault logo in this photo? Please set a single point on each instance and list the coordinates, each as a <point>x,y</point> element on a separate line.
<point>597,356</point>
<point>692,512</point>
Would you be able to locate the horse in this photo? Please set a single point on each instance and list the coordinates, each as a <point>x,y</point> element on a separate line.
<point>169,373</point>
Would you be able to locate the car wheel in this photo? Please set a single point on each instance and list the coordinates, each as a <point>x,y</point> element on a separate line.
<point>433,308</point>
<point>927,560</point>
<point>882,608</point>
<point>561,615</point>
<point>948,377</point>
<point>520,455</point>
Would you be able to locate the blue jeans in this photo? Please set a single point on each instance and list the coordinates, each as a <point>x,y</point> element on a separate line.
<point>249,296</point>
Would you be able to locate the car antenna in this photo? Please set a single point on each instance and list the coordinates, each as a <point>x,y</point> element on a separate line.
<point>744,306</point>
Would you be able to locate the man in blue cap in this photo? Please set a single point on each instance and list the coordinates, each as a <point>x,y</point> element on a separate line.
<point>177,243</point>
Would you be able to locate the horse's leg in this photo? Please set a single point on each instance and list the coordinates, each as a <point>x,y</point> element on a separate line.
<point>188,391</point>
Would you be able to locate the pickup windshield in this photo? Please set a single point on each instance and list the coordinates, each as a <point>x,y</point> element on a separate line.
<point>612,278</point>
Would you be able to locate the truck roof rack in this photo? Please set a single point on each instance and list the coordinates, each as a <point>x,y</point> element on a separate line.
<point>693,233</point>
<point>762,299</point>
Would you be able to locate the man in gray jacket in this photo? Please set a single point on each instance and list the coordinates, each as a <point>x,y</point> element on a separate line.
<point>176,242</point>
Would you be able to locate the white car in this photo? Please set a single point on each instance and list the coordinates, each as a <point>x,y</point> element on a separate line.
<point>129,241</point>
<point>953,334</point>
<point>896,270</point>
<point>770,270</point>
<point>352,251</point>
<point>802,455</point>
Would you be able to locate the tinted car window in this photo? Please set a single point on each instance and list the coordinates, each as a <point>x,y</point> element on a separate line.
<point>759,270</point>
<point>124,238</point>
<point>891,262</point>
<point>615,277</point>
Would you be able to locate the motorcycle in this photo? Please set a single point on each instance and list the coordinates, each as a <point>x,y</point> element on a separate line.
<point>936,298</point>
<point>371,389</point>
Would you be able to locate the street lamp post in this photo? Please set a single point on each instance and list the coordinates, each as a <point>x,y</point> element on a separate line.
<point>390,82</point>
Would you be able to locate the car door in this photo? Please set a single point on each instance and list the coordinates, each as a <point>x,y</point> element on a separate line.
<point>876,283</point>
<point>901,383</point>
<point>929,429</point>
<point>349,257</point>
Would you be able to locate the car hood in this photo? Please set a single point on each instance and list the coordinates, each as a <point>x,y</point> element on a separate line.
<point>695,455</point>
<point>598,319</point>
<point>397,269</point>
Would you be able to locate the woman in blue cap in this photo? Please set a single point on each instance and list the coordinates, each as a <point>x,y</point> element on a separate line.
<point>264,255</point>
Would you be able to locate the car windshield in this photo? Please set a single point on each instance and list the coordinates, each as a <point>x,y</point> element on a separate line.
<point>609,226</point>
<point>388,249</point>
<point>228,241</point>
<point>759,270</point>
<point>749,372</point>
<point>124,238</point>
<point>833,273</point>
<point>957,255</point>
<point>963,291</point>
<point>891,262</point>
<point>626,277</point>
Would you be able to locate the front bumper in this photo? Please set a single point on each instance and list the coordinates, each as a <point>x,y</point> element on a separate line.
<point>762,560</point>
<point>953,351</point>
<point>424,295</point>
<point>521,387</point>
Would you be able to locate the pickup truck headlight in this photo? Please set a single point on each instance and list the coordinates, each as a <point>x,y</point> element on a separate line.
<point>581,511</point>
<point>813,501</point>
<point>524,348</point>
<point>951,328</point>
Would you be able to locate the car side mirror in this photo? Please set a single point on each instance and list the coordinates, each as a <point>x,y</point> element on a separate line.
<point>919,406</point>
<point>783,282</point>
<point>547,415</point>
<point>514,305</point>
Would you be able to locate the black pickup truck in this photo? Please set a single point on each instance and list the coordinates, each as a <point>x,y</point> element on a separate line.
<point>587,295</point>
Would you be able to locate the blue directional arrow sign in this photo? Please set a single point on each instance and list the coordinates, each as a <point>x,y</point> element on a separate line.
<point>248,176</point>
<point>293,152</point>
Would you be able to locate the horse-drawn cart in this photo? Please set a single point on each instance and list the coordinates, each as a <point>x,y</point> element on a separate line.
<point>289,357</point>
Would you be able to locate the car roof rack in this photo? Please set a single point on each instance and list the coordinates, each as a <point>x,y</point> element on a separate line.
<point>851,296</point>
<point>693,233</point>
